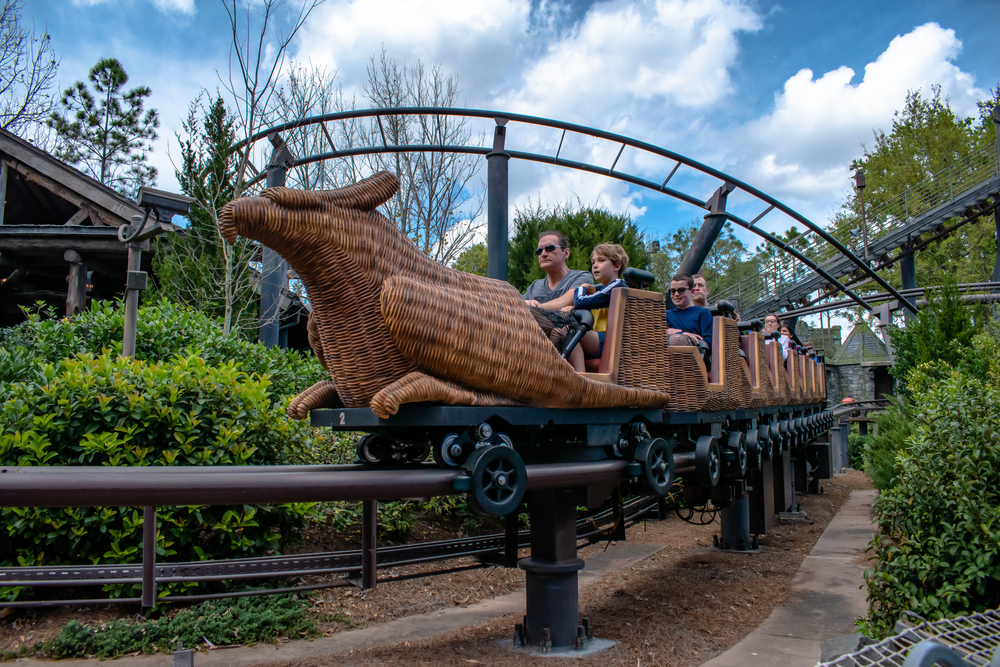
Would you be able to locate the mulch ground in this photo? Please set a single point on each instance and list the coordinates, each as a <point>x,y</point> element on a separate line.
<point>680,607</point>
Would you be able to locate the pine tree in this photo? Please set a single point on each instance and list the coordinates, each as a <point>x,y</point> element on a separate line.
<point>202,269</point>
<point>106,132</point>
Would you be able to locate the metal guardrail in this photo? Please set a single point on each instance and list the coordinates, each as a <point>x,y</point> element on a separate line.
<point>962,183</point>
<point>966,641</point>
<point>350,562</point>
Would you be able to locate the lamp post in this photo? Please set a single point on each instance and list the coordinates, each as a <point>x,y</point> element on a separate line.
<point>859,184</point>
<point>162,206</point>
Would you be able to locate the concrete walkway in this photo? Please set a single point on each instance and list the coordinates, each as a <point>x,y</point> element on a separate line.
<point>413,628</point>
<point>827,596</point>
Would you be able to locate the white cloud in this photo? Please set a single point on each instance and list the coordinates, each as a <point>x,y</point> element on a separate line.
<point>676,52</point>
<point>479,40</point>
<point>802,149</point>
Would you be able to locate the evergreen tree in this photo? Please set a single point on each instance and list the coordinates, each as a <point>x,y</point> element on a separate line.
<point>202,269</point>
<point>585,228</point>
<point>473,259</point>
<point>106,132</point>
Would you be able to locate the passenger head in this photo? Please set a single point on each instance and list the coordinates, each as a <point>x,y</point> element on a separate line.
<point>607,262</point>
<point>680,290</point>
<point>699,294</point>
<point>785,331</point>
<point>552,252</point>
<point>771,323</point>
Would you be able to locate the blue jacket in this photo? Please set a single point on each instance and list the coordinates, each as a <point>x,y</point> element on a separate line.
<point>696,320</point>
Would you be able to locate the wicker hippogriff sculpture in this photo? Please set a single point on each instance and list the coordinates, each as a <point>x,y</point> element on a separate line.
<point>391,326</point>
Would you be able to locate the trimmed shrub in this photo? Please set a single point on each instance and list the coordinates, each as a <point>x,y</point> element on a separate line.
<point>938,545</point>
<point>108,411</point>
<point>165,329</point>
<point>892,429</point>
<point>856,447</point>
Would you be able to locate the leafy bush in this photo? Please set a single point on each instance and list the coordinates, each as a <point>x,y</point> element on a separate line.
<point>104,410</point>
<point>165,329</point>
<point>938,545</point>
<point>244,620</point>
<point>856,446</point>
<point>892,429</point>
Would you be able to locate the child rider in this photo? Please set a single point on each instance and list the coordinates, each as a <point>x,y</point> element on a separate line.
<point>607,263</point>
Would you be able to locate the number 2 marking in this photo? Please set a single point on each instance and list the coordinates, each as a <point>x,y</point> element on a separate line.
<point>342,423</point>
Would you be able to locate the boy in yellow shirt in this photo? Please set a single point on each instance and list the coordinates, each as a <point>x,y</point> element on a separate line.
<point>607,262</point>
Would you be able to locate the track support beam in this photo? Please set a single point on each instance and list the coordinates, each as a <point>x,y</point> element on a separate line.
<point>552,602</point>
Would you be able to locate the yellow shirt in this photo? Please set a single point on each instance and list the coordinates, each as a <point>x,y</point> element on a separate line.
<point>600,319</point>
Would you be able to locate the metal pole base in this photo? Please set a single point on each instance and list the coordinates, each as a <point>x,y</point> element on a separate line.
<point>551,596</point>
<point>735,535</point>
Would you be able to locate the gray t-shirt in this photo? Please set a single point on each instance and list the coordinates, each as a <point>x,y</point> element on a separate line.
<point>539,290</point>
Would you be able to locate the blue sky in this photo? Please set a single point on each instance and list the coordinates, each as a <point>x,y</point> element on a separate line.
<point>781,95</point>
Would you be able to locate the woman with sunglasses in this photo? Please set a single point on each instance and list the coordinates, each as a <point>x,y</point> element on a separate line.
<point>555,290</point>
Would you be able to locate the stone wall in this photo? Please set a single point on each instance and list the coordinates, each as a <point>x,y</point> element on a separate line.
<point>849,381</point>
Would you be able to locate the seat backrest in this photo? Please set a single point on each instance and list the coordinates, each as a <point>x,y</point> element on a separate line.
<point>728,379</point>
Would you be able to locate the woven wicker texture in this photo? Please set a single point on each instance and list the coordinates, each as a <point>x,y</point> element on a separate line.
<point>766,381</point>
<point>687,381</point>
<point>643,361</point>
<point>759,396</point>
<point>735,389</point>
<point>783,395</point>
<point>467,338</point>
<point>345,252</point>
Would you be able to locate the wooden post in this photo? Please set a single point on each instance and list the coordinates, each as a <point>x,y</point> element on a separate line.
<point>76,292</point>
<point>3,189</point>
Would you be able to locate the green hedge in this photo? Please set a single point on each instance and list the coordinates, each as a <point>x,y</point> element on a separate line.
<point>893,429</point>
<point>191,397</point>
<point>108,411</point>
<point>938,545</point>
<point>165,329</point>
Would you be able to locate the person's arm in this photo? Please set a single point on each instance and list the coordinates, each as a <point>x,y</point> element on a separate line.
<point>601,299</point>
<point>559,302</point>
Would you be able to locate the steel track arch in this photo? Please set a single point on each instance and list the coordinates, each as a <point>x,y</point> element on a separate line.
<point>729,183</point>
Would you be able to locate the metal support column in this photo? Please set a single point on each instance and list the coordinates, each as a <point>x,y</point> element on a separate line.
<point>274,269</point>
<point>148,558</point>
<point>784,491</point>
<point>708,233</point>
<point>761,493</point>
<point>369,544</point>
<point>735,522</point>
<point>908,269</point>
<point>552,602</point>
<point>496,212</point>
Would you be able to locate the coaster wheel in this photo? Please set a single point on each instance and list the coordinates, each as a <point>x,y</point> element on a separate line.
<point>499,480</point>
<point>764,441</point>
<point>707,461</point>
<point>735,457</point>
<point>372,449</point>
<point>450,453</point>
<point>657,460</point>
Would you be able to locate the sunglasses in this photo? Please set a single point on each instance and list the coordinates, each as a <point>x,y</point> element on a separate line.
<point>678,290</point>
<point>547,248</point>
